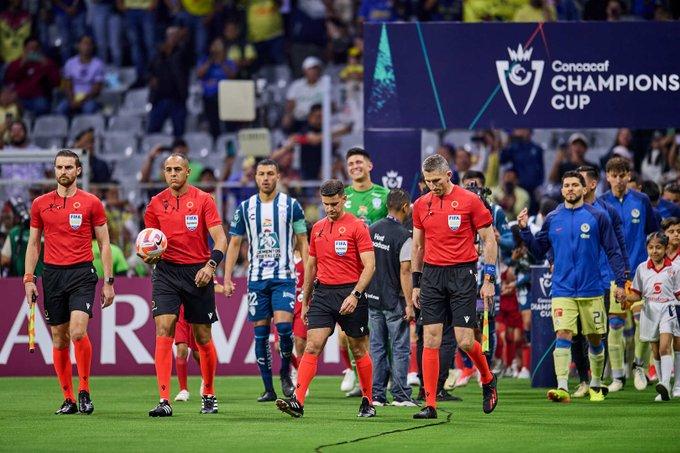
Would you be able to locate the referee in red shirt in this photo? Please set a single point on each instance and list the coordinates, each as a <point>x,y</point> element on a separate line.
<point>184,276</point>
<point>340,266</point>
<point>68,216</point>
<point>445,223</point>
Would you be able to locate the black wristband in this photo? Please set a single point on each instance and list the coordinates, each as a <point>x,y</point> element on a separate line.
<point>217,256</point>
<point>416,276</point>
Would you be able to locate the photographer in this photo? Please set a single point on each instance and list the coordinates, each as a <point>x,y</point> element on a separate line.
<point>511,197</point>
<point>14,248</point>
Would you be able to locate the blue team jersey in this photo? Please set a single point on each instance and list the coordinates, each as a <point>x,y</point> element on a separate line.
<point>667,209</point>
<point>638,218</point>
<point>576,237</point>
<point>269,228</point>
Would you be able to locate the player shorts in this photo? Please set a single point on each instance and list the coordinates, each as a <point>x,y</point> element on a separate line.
<point>66,289</point>
<point>658,318</point>
<point>173,285</point>
<point>510,317</point>
<point>267,296</point>
<point>299,327</point>
<point>324,310</point>
<point>183,332</point>
<point>567,311</point>
<point>450,289</point>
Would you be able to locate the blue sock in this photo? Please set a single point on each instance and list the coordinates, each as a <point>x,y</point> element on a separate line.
<point>285,330</point>
<point>264,356</point>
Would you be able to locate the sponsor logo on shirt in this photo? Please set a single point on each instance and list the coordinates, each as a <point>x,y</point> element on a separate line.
<point>585,228</point>
<point>191,221</point>
<point>340,247</point>
<point>75,220</point>
<point>454,221</point>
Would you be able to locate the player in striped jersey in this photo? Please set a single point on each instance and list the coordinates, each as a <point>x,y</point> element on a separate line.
<point>274,225</point>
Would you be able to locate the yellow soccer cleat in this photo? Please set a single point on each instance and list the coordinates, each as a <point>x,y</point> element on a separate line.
<point>596,395</point>
<point>559,396</point>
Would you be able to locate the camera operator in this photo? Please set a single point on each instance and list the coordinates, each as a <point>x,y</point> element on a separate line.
<point>14,248</point>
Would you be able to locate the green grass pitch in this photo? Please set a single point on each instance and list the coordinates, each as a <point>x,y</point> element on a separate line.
<point>523,421</point>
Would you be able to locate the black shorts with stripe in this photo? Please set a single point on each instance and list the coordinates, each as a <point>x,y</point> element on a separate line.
<point>324,310</point>
<point>173,285</point>
<point>66,289</point>
<point>450,289</point>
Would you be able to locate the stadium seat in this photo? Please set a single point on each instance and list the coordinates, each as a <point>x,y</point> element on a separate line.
<point>118,145</point>
<point>200,143</point>
<point>50,126</point>
<point>129,124</point>
<point>48,142</point>
<point>151,140</point>
<point>350,140</point>
<point>85,121</point>
<point>136,102</point>
<point>457,137</point>
<point>429,142</point>
<point>128,170</point>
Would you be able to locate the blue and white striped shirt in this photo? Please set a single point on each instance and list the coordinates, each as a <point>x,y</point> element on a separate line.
<point>269,228</point>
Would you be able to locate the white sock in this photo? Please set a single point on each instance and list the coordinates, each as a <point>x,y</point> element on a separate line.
<point>666,369</point>
<point>618,374</point>
<point>677,370</point>
<point>563,384</point>
<point>657,365</point>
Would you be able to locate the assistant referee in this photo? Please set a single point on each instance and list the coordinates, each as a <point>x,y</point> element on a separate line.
<point>68,216</point>
<point>445,222</point>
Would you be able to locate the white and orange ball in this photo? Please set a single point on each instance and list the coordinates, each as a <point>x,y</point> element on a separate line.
<point>151,243</point>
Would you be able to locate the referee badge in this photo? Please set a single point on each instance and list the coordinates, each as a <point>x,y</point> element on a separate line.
<point>191,221</point>
<point>340,247</point>
<point>454,221</point>
<point>75,220</point>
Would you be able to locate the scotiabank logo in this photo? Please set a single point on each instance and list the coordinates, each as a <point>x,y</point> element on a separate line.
<point>520,70</point>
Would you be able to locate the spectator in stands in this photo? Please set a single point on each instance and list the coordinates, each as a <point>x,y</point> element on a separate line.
<point>440,10</point>
<point>302,95</point>
<point>377,11</point>
<point>536,11</point>
<point>659,157</point>
<point>120,217</point>
<point>13,253</point>
<point>178,146</point>
<point>307,32</point>
<point>9,110</point>
<point>107,27</point>
<point>624,139</point>
<point>210,70</point>
<point>83,80</point>
<point>99,169</point>
<point>197,16</point>
<point>510,195</point>
<point>522,153</point>
<point>463,162</point>
<point>15,28</point>
<point>567,10</point>
<point>69,17</point>
<point>245,177</point>
<point>169,82</point>
<point>18,141</point>
<point>33,76</point>
<point>595,10</point>
<point>352,77</point>
<point>448,152</point>
<point>663,207</point>
<point>139,26</point>
<point>615,10</point>
<point>265,30</point>
<point>570,160</point>
<point>239,50</point>
<point>671,192</point>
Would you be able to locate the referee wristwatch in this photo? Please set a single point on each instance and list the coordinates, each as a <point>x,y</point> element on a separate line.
<point>108,281</point>
<point>357,294</point>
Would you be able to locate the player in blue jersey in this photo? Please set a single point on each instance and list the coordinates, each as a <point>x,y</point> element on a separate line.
<point>639,220</point>
<point>274,226</point>
<point>577,233</point>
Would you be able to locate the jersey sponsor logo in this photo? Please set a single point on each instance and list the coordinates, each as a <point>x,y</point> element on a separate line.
<point>268,248</point>
<point>454,221</point>
<point>288,295</point>
<point>657,288</point>
<point>377,202</point>
<point>454,204</point>
<point>190,204</point>
<point>342,230</point>
<point>348,204</point>
<point>362,211</point>
<point>75,220</point>
<point>191,221</point>
<point>340,247</point>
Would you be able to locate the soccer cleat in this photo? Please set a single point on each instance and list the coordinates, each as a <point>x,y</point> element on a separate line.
<point>366,410</point>
<point>208,404</point>
<point>405,403</point>
<point>524,373</point>
<point>657,399</point>
<point>356,391</point>
<point>676,392</point>
<point>380,403</point>
<point>183,395</point>
<point>450,382</point>
<point>162,410</point>
<point>68,407</point>
<point>287,386</point>
<point>465,376</point>
<point>267,395</point>
<point>489,396</point>
<point>427,412</point>
<point>559,396</point>
<point>348,381</point>
<point>616,385</point>
<point>663,391</point>
<point>639,378</point>
<point>291,407</point>
<point>412,379</point>
<point>596,395</point>
<point>581,391</point>
<point>443,395</point>
<point>85,405</point>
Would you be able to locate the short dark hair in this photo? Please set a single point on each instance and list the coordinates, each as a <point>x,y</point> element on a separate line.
<point>397,198</point>
<point>265,162</point>
<point>474,174</point>
<point>68,153</point>
<point>180,155</point>
<point>30,39</point>
<point>651,189</point>
<point>657,235</point>
<point>592,172</point>
<point>574,174</point>
<point>331,188</point>
<point>179,142</point>
<point>357,151</point>
<point>82,133</point>
<point>672,187</point>
<point>669,222</point>
<point>314,108</point>
<point>617,164</point>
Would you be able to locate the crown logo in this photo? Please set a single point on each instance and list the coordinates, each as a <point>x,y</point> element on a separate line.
<point>392,174</point>
<point>521,54</point>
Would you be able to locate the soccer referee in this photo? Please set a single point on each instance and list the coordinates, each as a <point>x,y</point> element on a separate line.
<point>68,216</point>
<point>445,222</point>
<point>340,266</point>
<point>184,276</point>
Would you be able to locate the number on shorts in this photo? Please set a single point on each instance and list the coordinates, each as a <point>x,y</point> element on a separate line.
<point>597,317</point>
<point>252,299</point>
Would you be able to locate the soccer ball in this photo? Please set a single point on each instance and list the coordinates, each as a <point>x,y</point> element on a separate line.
<point>151,243</point>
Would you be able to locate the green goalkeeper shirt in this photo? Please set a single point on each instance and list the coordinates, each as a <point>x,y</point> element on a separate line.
<point>369,205</point>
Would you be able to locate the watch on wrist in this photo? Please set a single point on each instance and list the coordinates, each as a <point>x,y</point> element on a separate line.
<point>490,278</point>
<point>212,263</point>
<point>357,294</point>
<point>108,281</point>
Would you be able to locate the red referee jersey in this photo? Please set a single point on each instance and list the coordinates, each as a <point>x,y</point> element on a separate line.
<point>336,246</point>
<point>185,221</point>
<point>450,224</point>
<point>68,224</point>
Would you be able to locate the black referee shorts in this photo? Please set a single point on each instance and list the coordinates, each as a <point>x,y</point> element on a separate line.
<point>67,289</point>
<point>173,284</point>
<point>324,310</point>
<point>452,289</point>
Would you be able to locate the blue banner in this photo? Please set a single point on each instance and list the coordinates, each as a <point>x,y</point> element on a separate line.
<point>553,75</point>
<point>542,333</point>
<point>396,158</point>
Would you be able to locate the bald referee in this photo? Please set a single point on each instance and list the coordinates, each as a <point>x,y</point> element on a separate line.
<point>184,276</point>
<point>68,216</point>
<point>444,266</point>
